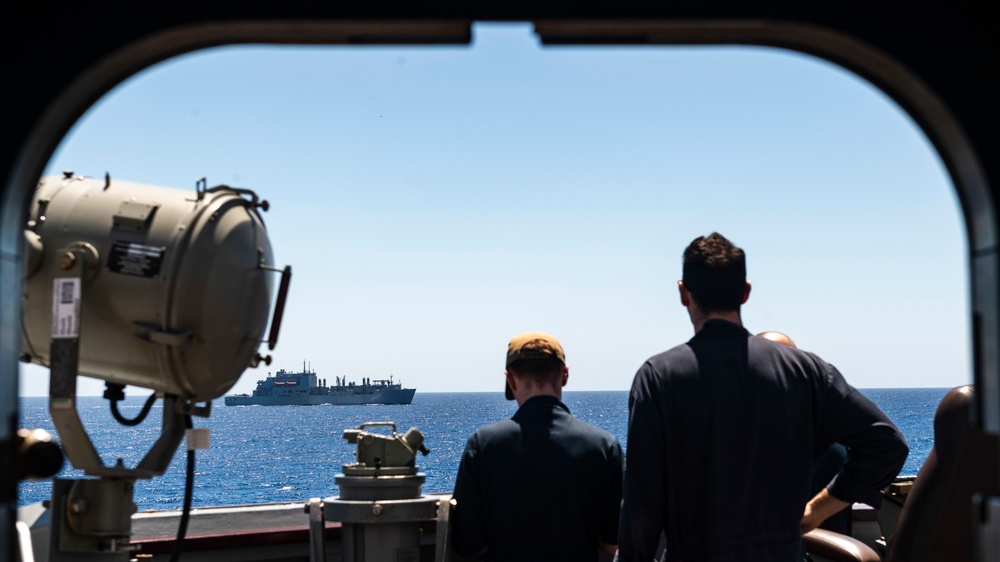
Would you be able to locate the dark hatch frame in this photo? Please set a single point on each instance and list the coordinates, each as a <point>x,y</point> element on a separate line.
<point>939,62</point>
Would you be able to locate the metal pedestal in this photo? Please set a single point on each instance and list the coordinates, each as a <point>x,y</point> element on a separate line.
<point>381,517</point>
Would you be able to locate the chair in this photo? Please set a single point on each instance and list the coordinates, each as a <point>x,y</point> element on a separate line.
<point>837,547</point>
<point>936,521</point>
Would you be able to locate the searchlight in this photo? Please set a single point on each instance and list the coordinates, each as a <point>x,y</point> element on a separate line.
<point>155,287</point>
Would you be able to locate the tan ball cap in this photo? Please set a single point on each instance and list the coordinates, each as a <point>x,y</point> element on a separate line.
<point>532,345</point>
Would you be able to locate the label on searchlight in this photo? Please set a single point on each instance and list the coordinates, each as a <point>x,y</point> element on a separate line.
<point>66,307</point>
<point>131,258</point>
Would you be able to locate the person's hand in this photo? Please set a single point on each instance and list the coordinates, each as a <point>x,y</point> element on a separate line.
<point>819,509</point>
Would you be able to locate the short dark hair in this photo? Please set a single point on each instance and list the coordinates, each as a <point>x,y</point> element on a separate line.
<point>541,372</point>
<point>715,273</point>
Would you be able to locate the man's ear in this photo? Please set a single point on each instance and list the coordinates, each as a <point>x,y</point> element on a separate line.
<point>508,391</point>
<point>565,375</point>
<point>746,293</point>
<point>511,380</point>
<point>685,294</point>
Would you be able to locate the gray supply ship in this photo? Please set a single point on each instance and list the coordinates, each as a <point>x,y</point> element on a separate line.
<point>286,388</point>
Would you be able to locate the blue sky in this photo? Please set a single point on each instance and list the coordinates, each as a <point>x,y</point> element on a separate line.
<point>434,201</point>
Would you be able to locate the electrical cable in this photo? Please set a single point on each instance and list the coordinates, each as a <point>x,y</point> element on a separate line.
<point>188,494</point>
<point>136,420</point>
<point>115,392</point>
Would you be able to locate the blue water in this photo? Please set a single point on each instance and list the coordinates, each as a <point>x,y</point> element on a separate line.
<point>263,454</point>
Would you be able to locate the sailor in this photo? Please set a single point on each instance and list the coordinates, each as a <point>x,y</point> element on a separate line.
<point>723,431</point>
<point>779,337</point>
<point>542,485</point>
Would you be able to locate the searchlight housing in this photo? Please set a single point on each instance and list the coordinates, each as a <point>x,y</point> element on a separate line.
<point>166,289</point>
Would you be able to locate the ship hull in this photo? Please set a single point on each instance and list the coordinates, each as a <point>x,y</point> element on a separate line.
<point>378,396</point>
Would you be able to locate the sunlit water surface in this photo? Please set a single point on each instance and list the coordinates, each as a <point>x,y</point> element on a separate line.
<point>262,454</point>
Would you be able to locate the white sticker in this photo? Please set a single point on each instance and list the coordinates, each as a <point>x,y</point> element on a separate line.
<point>66,308</point>
<point>198,438</point>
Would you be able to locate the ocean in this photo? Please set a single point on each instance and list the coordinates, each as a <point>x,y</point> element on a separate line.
<point>262,454</point>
